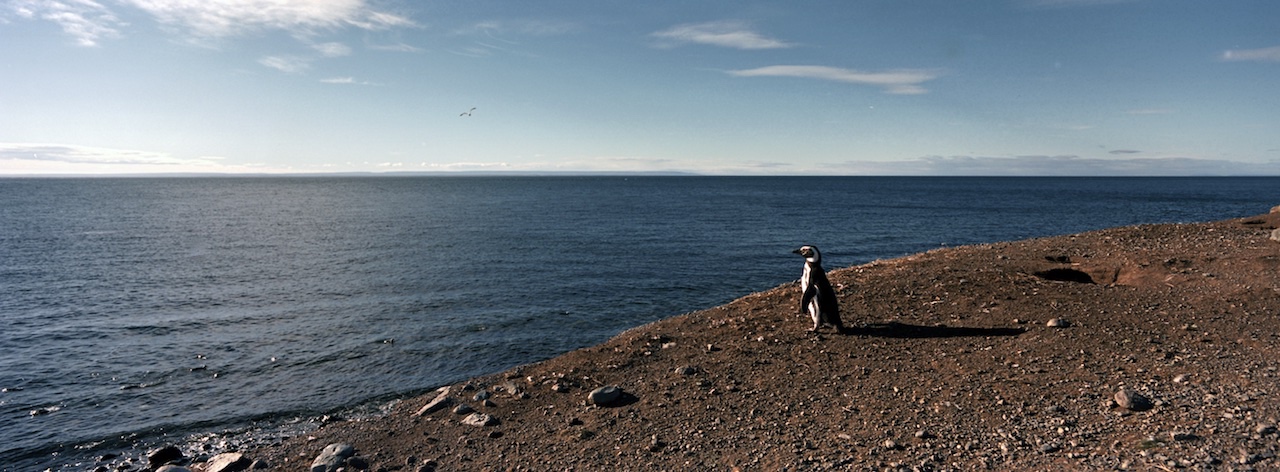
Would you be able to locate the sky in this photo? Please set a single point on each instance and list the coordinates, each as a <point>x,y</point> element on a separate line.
<point>849,87</point>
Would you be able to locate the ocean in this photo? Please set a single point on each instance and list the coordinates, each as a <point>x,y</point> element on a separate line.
<point>136,312</point>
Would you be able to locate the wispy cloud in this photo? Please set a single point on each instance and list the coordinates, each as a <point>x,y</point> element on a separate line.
<point>89,21</point>
<point>730,34</point>
<point>492,37</point>
<point>287,64</point>
<point>1271,54</point>
<point>222,18</point>
<point>900,81</point>
<point>93,155</point>
<point>397,47</point>
<point>1063,165</point>
<point>297,64</point>
<point>86,21</point>
<point>347,81</point>
<point>522,27</point>
<point>332,49</point>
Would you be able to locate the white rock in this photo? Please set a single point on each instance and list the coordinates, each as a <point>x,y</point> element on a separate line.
<point>228,462</point>
<point>605,395</point>
<point>480,419</point>
<point>441,401</point>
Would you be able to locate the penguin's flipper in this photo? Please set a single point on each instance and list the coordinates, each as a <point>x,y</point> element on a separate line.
<point>809,293</point>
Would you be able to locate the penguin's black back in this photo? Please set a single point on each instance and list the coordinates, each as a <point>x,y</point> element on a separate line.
<point>827,303</point>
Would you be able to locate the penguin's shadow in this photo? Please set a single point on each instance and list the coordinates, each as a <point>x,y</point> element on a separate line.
<point>894,329</point>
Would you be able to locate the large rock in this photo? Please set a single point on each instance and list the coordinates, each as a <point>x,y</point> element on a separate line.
<point>333,457</point>
<point>228,462</point>
<point>162,456</point>
<point>1131,400</point>
<point>441,401</point>
<point>605,396</point>
<point>1275,234</point>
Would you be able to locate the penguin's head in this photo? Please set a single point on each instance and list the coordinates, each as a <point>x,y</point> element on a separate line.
<point>810,253</point>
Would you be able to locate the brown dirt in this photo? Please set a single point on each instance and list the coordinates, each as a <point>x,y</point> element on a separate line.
<point>948,365</point>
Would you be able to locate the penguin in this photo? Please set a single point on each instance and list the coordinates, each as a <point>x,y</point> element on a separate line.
<point>819,300</point>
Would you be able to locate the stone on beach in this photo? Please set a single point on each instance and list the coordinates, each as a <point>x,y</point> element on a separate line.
<point>605,396</point>
<point>480,419</point>
<point>333,457</point>
<point>440,402</point>
<point>1131,400</point>
<point>228,462</point>
<point>162,456</point>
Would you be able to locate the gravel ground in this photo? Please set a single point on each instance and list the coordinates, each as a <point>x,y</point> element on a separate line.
<point>1152,347</point>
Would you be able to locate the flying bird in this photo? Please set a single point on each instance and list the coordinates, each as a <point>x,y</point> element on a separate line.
<point>468,112</point>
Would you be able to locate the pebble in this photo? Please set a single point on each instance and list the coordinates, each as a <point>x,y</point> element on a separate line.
<point>1132,401</point>
<point>605,396</point>
<point>441,401</point>
<point>332,458</point>
<point>1265,429</point>
<point>510,388</point>
<point>463,409</point>
<point>358,463</point>
<point>172,468</point>
<point>1058,323</point>
<point>480,419</point>
<point>162,456</point>
<point>890,444</point>
<point>1247,458</point>
<point>686,370</point>
<point>228,462</point>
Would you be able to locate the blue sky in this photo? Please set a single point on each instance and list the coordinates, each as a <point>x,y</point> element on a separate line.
<point>1000,87</point>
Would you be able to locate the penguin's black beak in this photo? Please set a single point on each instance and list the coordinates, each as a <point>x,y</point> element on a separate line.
<point>797,251</point>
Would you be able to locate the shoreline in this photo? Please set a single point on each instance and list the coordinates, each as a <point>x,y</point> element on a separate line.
<point>951,363</point>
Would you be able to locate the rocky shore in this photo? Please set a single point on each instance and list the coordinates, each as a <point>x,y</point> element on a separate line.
<point>1152,347</point>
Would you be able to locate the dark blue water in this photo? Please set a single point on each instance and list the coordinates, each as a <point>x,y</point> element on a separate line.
<point>137,311</point>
